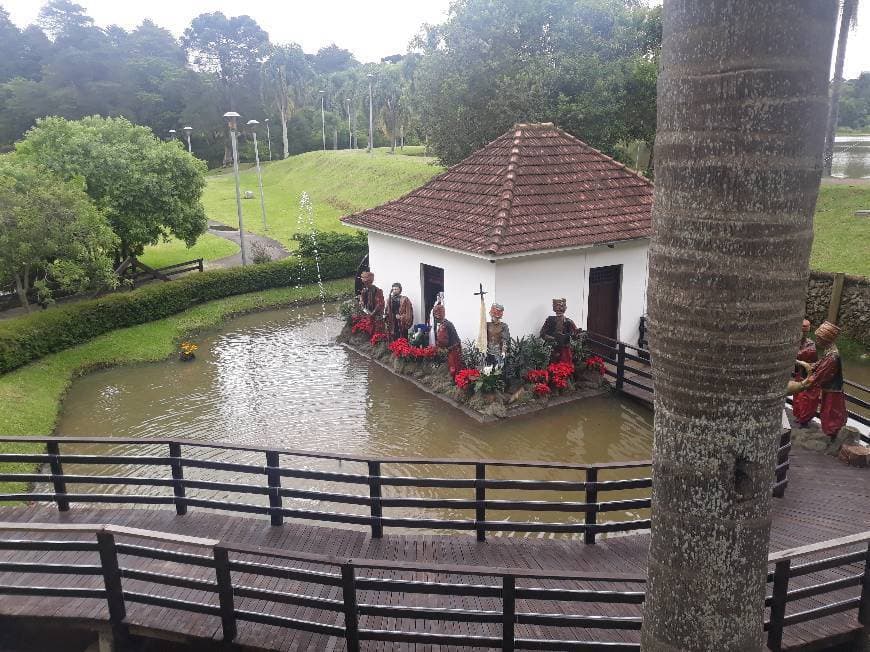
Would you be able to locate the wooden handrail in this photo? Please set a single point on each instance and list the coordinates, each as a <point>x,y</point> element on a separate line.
<point>822,546</point>
<point>120,530</point>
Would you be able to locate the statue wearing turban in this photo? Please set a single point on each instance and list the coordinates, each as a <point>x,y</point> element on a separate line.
<point>806,403</point>
<point>826,374</point>
<point>447,339</point>
<point>558,330</point>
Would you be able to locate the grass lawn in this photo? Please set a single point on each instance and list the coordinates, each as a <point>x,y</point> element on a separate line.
<point>339,183</point>
<point>841,238</point>
<point>207,247</point>
<point>30,397</point>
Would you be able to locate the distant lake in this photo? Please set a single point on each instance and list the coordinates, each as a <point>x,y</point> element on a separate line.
<point>851,157</point>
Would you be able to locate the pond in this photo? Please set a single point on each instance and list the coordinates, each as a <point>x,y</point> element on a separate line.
<point>851,157</point>
<point>277,379</point>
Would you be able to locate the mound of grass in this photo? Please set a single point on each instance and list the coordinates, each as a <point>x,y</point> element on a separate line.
<point>208,247</point>
<point>339,183</point>
<point>841,238</point>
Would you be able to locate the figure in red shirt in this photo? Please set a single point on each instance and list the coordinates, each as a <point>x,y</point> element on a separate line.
<point>805,404</point>
<point>446,339</point>
<point>827,374</point>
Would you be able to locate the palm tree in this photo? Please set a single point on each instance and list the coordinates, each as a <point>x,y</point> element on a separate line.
<point>742,103</point>
<point>285,74</point>
<point>848,16</point>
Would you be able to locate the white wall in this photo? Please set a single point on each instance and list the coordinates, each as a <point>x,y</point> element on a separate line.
<point>526,285</point>
<point>394,259</point>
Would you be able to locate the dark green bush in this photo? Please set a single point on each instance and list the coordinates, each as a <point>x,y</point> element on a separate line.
<point>28,338</point>
<point>330,243</point>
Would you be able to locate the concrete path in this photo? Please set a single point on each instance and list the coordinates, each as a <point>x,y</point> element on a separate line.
<point>275,249</point>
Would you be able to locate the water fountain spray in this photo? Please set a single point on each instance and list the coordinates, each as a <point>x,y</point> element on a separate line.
<point>305,220</point>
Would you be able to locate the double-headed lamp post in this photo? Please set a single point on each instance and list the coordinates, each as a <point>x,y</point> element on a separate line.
<point>187,130</point>
<point>371,122</point>
<point>253,125</point>
<point>231,117</point>
<point>268,138</point>
<point>322,120</point>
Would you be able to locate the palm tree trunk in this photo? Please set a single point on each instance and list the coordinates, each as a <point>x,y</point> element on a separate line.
<point>741,110</point>
<point>22,283</point>
<point>846,17</point>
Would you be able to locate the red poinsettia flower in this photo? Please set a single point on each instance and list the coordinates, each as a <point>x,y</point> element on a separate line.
<point>595,362</point>
<point>541,389</point>
<point>362,324</point>
<point>378,337</point>
<point>400,348</point>
<point>538,376</point>
<point>466,377</point>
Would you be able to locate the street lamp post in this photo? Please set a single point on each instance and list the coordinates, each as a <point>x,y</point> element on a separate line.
<point>269,138</point>
<point>187,130</point>
<point>231,121</point>
<point>371,123</point>
<point>253,125</point>
<point>349,132</point>
<point>322,121</point>
<point>172,133</point>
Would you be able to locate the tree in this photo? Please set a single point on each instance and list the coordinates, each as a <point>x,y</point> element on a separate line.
<point>848,15</point>
<point>51,232</point>
<point>285,75</point>
<point>333,59</point>
<point>147,189</point>
<point>741,114</point>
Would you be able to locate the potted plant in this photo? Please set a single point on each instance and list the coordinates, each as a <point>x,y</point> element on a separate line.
<point>186,351</point>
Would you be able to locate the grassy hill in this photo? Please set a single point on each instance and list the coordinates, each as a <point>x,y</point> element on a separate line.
<point>339,183</point>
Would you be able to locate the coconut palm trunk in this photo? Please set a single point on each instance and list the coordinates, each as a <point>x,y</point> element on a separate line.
<point>847,19</point>
<point>742,102</point>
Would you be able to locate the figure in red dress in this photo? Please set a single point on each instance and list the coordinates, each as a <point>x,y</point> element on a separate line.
<point>558,330</point>
<point>371,301</point>
<point>446,338</point>
<point>827,374</point>
<point>805,404</point>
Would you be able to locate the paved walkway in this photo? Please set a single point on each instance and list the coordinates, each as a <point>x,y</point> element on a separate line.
<point>275,249</point>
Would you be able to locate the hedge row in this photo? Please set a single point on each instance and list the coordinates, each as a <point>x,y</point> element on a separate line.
<point>28,338</point>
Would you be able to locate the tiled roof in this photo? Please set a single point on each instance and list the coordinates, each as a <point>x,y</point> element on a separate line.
<point>532,189</point>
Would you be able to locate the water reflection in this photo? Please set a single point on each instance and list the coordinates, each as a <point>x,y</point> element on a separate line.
<point>277,380</point>
<point>851,157</point>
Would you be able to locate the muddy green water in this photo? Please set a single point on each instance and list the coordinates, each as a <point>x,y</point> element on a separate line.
<point>277,379</point>
<point>851,157</point>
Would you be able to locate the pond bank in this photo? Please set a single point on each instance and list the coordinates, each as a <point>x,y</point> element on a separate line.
<point>30,397</point>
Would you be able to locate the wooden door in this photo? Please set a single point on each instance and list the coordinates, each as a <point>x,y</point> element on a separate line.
<point>603,308</point>
<point>433,283</point>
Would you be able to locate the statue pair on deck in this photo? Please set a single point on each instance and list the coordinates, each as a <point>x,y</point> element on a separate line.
<point>394,316</point>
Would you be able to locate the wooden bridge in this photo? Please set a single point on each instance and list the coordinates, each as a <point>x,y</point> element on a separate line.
<point>200,572</point>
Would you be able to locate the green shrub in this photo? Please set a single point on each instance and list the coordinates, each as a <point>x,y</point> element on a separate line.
<point>28,338</point>
<point>330,243</point>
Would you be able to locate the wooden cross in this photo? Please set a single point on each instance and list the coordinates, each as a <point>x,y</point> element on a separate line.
<point>481,293</point>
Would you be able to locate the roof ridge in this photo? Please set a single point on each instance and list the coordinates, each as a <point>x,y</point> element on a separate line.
<point>506,193</point>
<point>609,158</point>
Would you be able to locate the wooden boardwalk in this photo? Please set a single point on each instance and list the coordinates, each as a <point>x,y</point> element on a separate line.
<point>824,500</point>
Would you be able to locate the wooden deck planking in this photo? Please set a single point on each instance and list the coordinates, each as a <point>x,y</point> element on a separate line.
<point>824,500</point>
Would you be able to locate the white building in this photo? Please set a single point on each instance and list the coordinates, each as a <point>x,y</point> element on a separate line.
<point>534,215</point>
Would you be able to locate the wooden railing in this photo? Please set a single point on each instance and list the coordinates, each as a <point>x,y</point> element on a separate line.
<point>139,271</point>
<point>853,570</point>
<point>342,597</point>
<point>375,488</point>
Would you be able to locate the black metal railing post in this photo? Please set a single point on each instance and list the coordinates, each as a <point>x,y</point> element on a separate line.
<point>351,617</point>
<point>199,261</point>
<point>777,605</point>
<point>56,467</point>
<point>175,465</point>
<point>479,501</point>
<point>620,365</point>
<point>114,591</point>
<point>592,506</point>
<point>225,592</point>
<point>273,461</point>
<point>864,605</point>
<point>375,495</point>
<point>508,610</point>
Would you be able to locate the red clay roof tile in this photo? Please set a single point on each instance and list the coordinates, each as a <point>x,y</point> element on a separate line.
<point>532,189</point>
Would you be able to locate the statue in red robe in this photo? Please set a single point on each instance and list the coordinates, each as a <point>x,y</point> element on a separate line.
<point>446,338</point>
<point>805,404</point>
<point>827,374</point>
<point>558,330</point>
<point>371,301</point>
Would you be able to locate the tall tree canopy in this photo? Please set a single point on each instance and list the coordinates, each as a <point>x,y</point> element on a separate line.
<point>146,188</point>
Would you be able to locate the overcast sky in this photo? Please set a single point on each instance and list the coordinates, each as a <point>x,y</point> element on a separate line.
<point>371,29</point>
